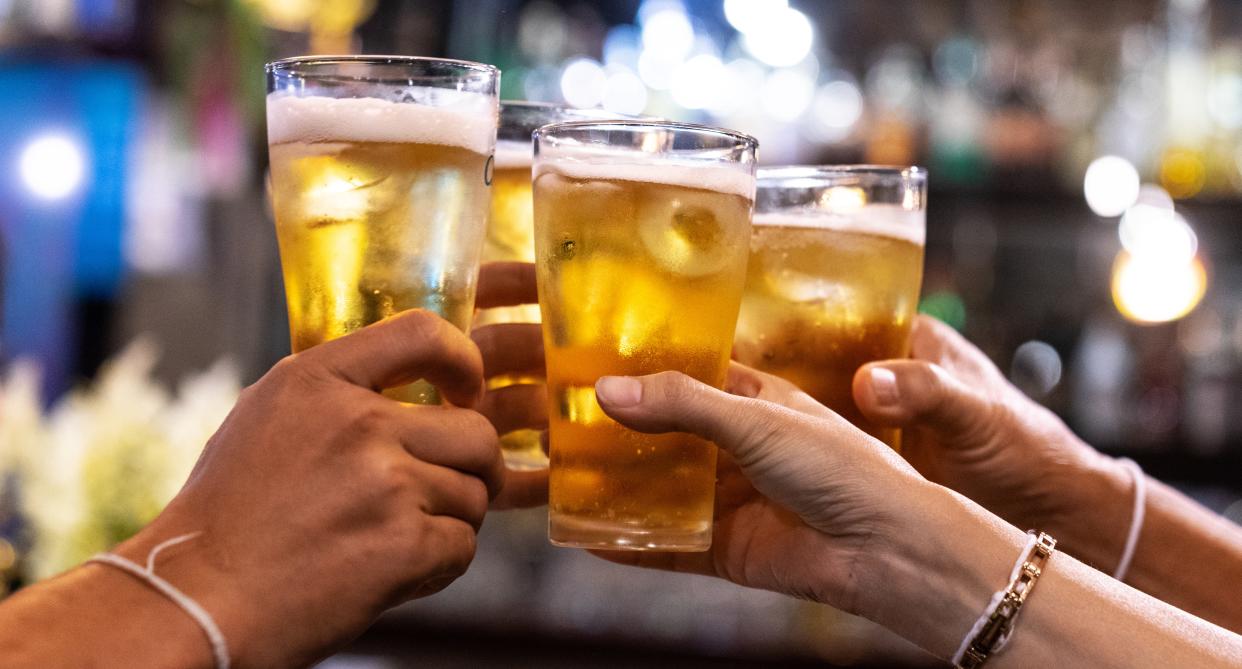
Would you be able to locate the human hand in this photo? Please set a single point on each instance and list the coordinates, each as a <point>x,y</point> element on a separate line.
<point>802,497</point>
<point>513,349</point>
<point>966,427</point>
<point>321,503</point>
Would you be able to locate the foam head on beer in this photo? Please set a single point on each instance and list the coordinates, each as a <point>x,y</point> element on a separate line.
<point>380,193</point>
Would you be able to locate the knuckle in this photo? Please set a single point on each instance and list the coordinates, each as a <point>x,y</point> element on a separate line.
<point>675,387</point>
<point>390,478</point>
<point>363,419</point>
<point>421,328</point>
<point>460,544</point>
<point>476,501</point>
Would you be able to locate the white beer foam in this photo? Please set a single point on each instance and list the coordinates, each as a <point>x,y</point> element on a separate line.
<point>719,177</point>
<point>510,154</point>
<point>884,220</point>
<point>467,121</point>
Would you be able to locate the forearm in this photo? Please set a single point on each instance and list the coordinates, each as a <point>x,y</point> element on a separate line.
<point>1079,617</point>
<point>1176,533</point>
<point>96,616</point>
<point>936,577</point>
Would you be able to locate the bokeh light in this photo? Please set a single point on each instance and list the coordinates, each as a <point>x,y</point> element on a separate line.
<point>1151,289</point>
<point>779,38</point>
<point>624,92</point>
<point>1111,185</point>
<point>668,33</point>
<point>837,107</point>
<point>1036,368</point>
<point>698,82</point>
<point>1182,173</point>
<point>1150,231</point>
<point>786,94</point>
<point>584,83</point>
<point>52,166</point>
<point>745,15</point>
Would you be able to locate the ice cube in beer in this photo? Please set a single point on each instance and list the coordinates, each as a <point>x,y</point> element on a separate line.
<point>683,234</point>
<point>339,190</point>
<point>797,287</point>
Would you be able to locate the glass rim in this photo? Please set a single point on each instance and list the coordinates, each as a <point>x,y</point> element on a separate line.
<point>647,124</point>
<point>287,64</point>
<point>914,173</point>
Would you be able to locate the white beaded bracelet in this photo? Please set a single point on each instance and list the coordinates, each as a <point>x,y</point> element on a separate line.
<point>1136,518</point>
<point>219,649</point>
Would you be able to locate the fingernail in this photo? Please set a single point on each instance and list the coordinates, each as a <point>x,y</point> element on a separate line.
<point>619,391</point>
<point>884,386</point>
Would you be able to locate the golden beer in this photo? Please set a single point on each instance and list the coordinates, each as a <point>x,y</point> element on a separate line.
<point>511,237</point>
<point>511,227</point>
<point>640,270</point>
<point>828,290</point>
<point>375,213</point>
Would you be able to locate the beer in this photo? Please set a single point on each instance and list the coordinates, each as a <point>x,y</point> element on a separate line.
<point>511,230</point>
<point>827,292</point>
<point>511,237</point>
<point>380,207</point>
<point>640,271</point>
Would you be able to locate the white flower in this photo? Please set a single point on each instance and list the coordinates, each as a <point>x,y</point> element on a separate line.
<point>108,458</point>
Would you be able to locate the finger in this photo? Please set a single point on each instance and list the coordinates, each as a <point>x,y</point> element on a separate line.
<point>449,492</point>
<point>516,407</point>
<point>448,546</point>
<point>510,348</point>
<point>412,345</point>
<point>504,284</point>
<point>906,393</point>
<point>685,563</point>
<point>674,402</point>
<point>667,402</point>
<point>522,490</point>
<point>460,439</point>
<point>747,382</point>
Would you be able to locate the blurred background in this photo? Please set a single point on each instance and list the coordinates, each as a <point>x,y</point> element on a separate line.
<point>1083,229</point>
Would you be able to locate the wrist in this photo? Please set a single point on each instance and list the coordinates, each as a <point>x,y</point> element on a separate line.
<point>1094,512</point>
<point>932,574</point>
<point>193,568</point>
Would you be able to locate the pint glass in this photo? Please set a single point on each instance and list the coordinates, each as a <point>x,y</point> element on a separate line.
<point>836,260</point>
<point>511,237</point>
<point>380,169</point>
<point>641,236</point>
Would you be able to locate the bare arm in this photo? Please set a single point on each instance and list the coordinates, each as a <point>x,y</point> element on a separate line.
<point>966,427</point>
<point>318,504</point>
<point>1177,532</point>
<point>810,506</point>
<point>1075,617</point>
<point>95,616</point>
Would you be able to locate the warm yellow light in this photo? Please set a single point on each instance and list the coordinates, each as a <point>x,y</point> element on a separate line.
<point>1182,173</point>
<point>336,17</point>
<point>1157,290</point>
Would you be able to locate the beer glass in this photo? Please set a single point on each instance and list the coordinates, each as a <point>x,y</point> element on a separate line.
<point>380,169</point>
<point>836,260</point>
<point>641,232</point>
<point>511,237</point>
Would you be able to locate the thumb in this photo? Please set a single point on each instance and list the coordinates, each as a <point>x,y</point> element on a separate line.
<point>750,430</point>
<point>667,402</point>
<point>913,393</point>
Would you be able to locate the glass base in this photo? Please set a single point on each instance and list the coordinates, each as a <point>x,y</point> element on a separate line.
<point>569,532</point>
<point>523,450</point>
